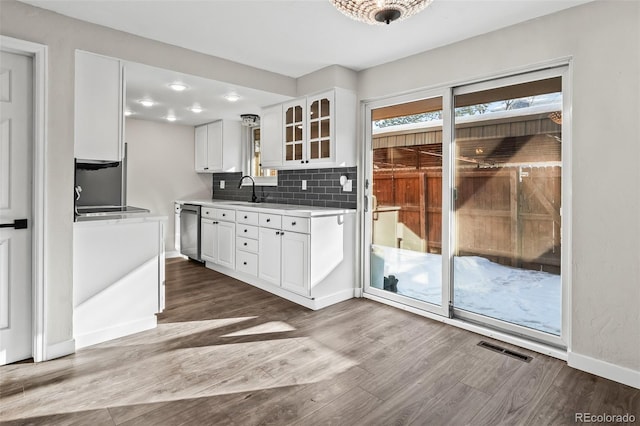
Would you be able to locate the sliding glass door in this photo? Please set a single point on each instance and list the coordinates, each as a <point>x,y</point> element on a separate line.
<point>508,193</point>
<point>405,187</point>
<point>464,192</point>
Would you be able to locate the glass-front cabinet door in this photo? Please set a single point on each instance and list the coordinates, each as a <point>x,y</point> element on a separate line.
<point>294,130</point>
<point>320,127</point>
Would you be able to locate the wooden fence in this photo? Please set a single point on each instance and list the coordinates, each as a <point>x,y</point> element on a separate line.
<point>510,215</point>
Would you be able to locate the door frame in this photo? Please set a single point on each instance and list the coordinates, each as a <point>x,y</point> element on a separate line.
<point>512,336</point>
<point>563,70</point>
<point>39,54</point>
<point>367,158</point>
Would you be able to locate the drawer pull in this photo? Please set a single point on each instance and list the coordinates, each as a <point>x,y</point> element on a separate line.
<point>268,220</point>
<point>224,214</point>
<point>277,232</point>
<point>245,244</point>
<point>293,223</point>
<point>244,263</point>
<point>245,217</point>
<point>245,230</point>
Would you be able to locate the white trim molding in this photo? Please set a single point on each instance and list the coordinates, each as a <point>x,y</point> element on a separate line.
<point>604,369</point>
<point>39,54</point>
<point>60,349</point>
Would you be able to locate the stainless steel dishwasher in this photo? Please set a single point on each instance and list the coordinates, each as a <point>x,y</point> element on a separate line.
<point>190,231</point>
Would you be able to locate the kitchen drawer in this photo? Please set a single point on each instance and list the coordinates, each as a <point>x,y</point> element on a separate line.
<point>208,212</point>
<point>247,262</point>
<point>270,220</point>
<point>247,231</point>
<point>248,218</point>
<point>247,244</point>
<point>296,224</point>
<point>226,215</point>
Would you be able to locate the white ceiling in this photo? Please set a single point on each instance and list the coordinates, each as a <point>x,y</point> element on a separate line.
<point>290,37</point>
<point>145,82</point>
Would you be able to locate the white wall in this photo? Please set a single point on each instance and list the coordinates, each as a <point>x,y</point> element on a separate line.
<point>160,169</point>
<point>63,35</point>
<point>603,39</point>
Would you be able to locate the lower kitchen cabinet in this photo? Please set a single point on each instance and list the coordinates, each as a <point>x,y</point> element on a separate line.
<point>295,262</point>
<point>309,258</point>
<point>217,241</point>
<point>269,242</point>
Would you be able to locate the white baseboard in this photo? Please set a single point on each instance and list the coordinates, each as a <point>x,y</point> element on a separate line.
<point>119,330</point>
<point>605,369</point>
<point>60,349</point>
<point>341,296</point>
<point>171,254</point>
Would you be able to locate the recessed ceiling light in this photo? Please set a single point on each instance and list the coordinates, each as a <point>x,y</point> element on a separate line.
<point>196,109</point>
<point>171,118</point>
<point>178,87</point>
<point>232,97</point>
<point>146,102</point>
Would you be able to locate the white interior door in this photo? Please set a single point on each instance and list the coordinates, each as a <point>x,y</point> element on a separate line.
<point>16,97</point>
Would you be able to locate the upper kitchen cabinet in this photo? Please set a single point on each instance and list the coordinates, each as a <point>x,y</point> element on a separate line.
<point>99,107</point>
<point>217,147</point>
<point>314,131</point>
<point>320,130</point>
<point>271,137</point>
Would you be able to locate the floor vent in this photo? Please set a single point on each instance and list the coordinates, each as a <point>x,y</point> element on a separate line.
<point>505,351</point>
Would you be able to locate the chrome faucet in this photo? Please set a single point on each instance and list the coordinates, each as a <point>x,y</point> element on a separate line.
<point>254,199</point>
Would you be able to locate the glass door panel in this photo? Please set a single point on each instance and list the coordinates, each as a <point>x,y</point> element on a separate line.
<point>293,133</point>
<point>319,129</point>
<point>507,177</point>
<point>406,216</point>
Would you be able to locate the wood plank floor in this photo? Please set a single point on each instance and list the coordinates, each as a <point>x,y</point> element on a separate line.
<point>226,353</point>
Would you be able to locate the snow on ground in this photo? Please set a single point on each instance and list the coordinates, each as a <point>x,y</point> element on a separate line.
<point>519,296</point>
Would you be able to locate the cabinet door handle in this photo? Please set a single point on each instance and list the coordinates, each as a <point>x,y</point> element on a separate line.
<point>268,220</point>
<point>245,230</point>
<point>245,217</point>
<point>244,263</point>
<point>245,244</point>
<point>224,214</point>
<point>277,232</point>
<point>293,223</point>
<point>282,233</point>
<point>307,161</point>
<point>302,161</point>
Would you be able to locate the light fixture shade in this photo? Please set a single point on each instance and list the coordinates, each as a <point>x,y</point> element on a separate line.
<point>379,12</point>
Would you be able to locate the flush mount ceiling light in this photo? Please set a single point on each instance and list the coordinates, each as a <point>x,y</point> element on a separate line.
<point>171,118</point>
<point>378,12</point>
<point>196,108</point>
<point>250,120</point>
<point>146,102</point>
<point>232,97</point>
<point>178,87</point>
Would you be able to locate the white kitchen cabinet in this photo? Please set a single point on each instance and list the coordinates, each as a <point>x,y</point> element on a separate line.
<point>306,254</point>
<point>218,237</point>
<point>269,245</point>
<point>320,130</point>
<point>217,147</point>
<point>271,137</point>
<point>99,108</point>
<point>283,255</point>
<point>295,262</point>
